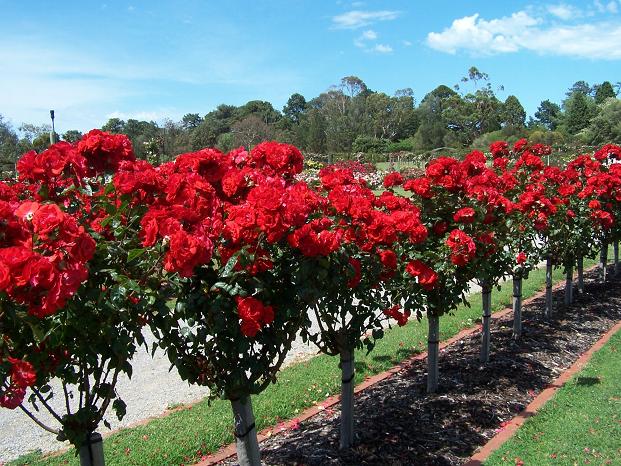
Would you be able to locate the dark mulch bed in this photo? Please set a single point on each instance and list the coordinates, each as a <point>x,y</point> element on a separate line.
<point>398,423</point>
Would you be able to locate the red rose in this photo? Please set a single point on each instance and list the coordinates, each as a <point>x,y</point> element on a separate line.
<point>520,145</point>
<point>499,149</point>
<point>388,258</point>
<point>84,248</point>
<point>393,179</point>
<point>22,373</point>
<point>5,276</point>
<point>12,396</point>
<point>462,247</point>
<point>521,258</point>
<point>464,215</point>
<point>254,315</point>
<point>427,278</point>
<point>400,317</point>
<point>186,252</point>
<point>420,186</point>
<point>46,219</point>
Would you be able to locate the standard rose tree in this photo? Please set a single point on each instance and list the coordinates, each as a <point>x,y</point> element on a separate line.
<point>516,166</point>
<point>74,299</point>
<point>221,224</point>
<point>350,244</point>
<point>605,186</point>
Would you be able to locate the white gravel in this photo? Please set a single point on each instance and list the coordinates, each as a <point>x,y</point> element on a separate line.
<point>150,392</point>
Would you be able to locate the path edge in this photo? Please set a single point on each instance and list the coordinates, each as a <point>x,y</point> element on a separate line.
<point>510,429</point>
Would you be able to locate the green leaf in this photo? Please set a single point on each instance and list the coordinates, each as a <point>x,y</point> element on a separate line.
<point>135,253</point>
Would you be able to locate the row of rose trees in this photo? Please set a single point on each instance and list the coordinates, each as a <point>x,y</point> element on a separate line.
<point>227,258</point>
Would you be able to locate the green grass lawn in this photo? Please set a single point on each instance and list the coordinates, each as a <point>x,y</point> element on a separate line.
<point>580,425</point>
<point>192,431</point>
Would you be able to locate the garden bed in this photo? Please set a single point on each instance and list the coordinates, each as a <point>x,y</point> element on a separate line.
<point>398,423</point>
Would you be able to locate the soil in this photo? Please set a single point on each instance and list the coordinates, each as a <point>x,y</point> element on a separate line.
<point>398,423</point>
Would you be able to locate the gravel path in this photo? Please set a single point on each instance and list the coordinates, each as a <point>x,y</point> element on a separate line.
<point>150,392</point>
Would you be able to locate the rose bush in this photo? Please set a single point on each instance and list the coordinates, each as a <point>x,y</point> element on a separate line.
<point>75,295</point>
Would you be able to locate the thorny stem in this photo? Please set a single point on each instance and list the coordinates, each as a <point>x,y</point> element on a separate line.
<point>66,398</point>
<point>47,406</point>
<point>38,422</point>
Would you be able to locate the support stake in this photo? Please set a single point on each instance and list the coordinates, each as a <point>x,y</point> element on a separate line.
<point>433,349</point>
<point>245,433</point>
<point>347,399</point>
<point>569,284</point>
<point>548,310</point>
<point>517,306</point>
<point>580,275</point>
<point>486,295</point>
<point>91,451</point>
<point>603,260</point>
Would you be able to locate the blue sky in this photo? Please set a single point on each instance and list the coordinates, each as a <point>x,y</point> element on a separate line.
<point>155,59</point>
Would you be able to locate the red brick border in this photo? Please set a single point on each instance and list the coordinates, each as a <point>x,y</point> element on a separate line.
<point>229,450</point>
<point>540,400</point>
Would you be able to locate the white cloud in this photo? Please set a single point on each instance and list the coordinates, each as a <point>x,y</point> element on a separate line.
<point>382,48</point>
<point>362,40</point>
<point>564,11</point>
<point>521,31</point>
<point>610,7</point>
<point>406,43</point>
<point>369,35</point>
<point>356,18</point>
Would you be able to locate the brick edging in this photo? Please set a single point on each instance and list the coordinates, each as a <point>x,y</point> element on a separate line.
<point>229,450</point>
<point>539,401</point>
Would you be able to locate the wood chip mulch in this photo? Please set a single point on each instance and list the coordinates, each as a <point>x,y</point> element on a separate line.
<point>398,423</point>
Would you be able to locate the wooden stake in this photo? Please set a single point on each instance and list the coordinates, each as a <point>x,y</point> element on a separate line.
<point>433,349</point>
<point>517,306</point>
<point>580,275</point>
<point>91,451</point>
<point>569,283</point>
<point>603,260</point>
<point>486,293</point>
<point>548,310</point>
<point>347,399</point>
<point>245,433</point>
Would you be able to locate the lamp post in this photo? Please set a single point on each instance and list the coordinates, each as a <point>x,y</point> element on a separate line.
<point>53,132</point>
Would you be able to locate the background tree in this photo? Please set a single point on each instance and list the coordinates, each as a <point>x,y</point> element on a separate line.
<point>114,125</point>
<point>295,108</point>
<point>250,131</point>
<point>603,91</point>
<point>191,121</point>
<point>9,146</point>
<point>513,113</point>
<point>548,114</point>
<point>433,127</point>
<point>605,127</point>
<point>579,109</point>
<point>73,135</point>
